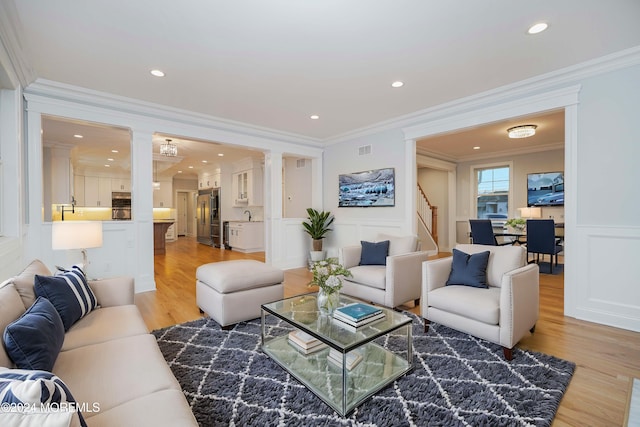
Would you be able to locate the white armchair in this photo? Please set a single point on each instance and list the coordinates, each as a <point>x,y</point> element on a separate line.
<point>502,314</point>
<point>392,284</point>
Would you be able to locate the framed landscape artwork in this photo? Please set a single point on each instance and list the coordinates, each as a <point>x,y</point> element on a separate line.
<point>368,188</point>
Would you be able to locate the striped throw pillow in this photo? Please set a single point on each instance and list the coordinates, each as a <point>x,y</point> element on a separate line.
<point>31,397</point>
<point>69,293</point>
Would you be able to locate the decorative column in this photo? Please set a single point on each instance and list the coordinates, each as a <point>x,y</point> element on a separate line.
<point>273,207</point>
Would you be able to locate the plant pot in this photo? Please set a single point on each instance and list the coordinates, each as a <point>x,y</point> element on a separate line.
<point>317,255</point>
<point>317,245</point>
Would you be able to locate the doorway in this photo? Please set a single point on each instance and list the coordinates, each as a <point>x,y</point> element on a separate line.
<point>185,213</point>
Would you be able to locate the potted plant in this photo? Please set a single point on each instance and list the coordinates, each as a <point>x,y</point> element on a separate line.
<point>317,226</point>
<point>516,223</point>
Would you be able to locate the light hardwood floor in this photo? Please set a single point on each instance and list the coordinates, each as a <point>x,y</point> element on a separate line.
<point>607,358</point>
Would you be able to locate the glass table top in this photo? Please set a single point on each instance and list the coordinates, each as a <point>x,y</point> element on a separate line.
<point>302,312</point>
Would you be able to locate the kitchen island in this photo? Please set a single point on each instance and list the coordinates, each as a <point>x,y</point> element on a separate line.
<point>160,227</point>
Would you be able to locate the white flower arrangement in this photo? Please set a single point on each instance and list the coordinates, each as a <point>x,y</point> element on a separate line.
<point>328,275</point>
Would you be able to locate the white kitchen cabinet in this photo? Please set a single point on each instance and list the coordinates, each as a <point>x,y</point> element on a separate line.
<point>78,190</point>
<point>120,184</point>
<point>170,236</point>
<point>247,188</point>
<point>97,191</point>
<point>208,180</point>
<point>246,236</point>
<point>163,196</point>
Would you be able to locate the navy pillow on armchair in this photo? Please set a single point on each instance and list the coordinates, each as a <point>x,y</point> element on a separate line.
<point>469,270</point>
<point>374,253</point>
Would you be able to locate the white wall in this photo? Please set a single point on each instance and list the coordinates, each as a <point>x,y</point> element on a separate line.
<point>354,224</point>
<point>297,188</point>
<point>607,237</point>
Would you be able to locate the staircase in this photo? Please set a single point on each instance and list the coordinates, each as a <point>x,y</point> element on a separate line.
<point>427,223</point>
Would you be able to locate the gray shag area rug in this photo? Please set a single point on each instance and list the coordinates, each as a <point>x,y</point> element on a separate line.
<point>457,380</point>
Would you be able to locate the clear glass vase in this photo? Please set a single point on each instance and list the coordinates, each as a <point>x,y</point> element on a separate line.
<point>327,303</point>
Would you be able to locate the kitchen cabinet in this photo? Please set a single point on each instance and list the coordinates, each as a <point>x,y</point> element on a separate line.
<point>246,236</point>
<point>207,180</point>
<point>78,189</point>
<point>247,188</point>
<point>120,184</point>
<point>97,191</point>
<point>163,196</point>
<point>170,235</point>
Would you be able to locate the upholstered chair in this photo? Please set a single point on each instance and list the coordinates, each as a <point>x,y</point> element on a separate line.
<point>502,312</point>
<point>389,278</point>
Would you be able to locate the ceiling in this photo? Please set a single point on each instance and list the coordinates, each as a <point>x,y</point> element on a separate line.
<point>492,139</point>
<point>275,63</point>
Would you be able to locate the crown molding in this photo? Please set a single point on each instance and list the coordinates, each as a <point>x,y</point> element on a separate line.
<point>12,54</point>
<point>492,155</point>
<point>565,76</point>
<point>45,90</point>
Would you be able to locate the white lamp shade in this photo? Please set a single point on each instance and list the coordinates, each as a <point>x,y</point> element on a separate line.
<point>531,212</point>
<point>76,234</point>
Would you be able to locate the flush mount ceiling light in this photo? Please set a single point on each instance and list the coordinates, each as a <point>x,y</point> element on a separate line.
<point>168,149</point>
<point>523,131</point>
<point>314,117</point>
<point>157,73</point>
<point>538,28</point>
<point>397,84</point>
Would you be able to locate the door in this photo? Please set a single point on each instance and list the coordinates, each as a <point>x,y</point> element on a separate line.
<point>183,209</point>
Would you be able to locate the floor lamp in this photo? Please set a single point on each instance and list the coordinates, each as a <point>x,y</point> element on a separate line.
<point>77,235</point>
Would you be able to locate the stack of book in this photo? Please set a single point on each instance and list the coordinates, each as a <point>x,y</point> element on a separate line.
<point>353,358</point>
<point>353,316</point>
<point>304,342</point>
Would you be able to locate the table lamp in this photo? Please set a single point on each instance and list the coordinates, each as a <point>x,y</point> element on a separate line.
<point>76,235</point>
<point>531,212</point>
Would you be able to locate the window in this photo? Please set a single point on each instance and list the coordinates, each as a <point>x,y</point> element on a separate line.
<point>492,195</point>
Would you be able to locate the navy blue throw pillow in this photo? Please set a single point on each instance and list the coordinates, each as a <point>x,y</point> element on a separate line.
<point>469,270</point>
<point>34,340</point>
<point>69,293</point>
<point>33,389</point>
<point>374,253</point>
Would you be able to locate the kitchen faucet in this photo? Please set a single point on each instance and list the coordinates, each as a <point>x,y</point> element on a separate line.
<point>249,212</point>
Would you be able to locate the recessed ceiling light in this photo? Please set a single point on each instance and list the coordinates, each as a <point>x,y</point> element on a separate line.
<point>204,161</point>
<point>476,148</point>
<point>179,171</point>
<point>110,159</point>
<point>538,28</point>
<point>190,167</point>
<point>314,117</point>
<point>157,73</point>
<point>77,135</point>
<point>397,84</point>
<point>107,166</point>
<point>114,151</point>
<point>220,154</point>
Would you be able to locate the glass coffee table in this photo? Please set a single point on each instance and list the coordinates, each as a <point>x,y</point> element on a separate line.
<point>342,389</point>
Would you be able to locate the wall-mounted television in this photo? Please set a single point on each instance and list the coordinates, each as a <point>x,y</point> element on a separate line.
<point>367,188</point>
<point>545,189</point>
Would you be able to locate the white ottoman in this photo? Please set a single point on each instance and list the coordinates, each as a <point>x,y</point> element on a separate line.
<point>232,291</point>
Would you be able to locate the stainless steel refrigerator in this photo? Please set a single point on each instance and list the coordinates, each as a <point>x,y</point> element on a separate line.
<point>209,217</point>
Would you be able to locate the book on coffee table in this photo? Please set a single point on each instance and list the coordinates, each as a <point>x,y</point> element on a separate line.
<point>304,342</point>
<point>356,312</point>
<point>355,327</point>
<point>353,358</point>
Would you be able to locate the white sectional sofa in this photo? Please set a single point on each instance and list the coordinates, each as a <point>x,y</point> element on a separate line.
<point>109,362</point>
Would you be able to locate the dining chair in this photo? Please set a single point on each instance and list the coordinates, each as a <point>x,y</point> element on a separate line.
<point>482,233</point>
<point>541,239</point>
